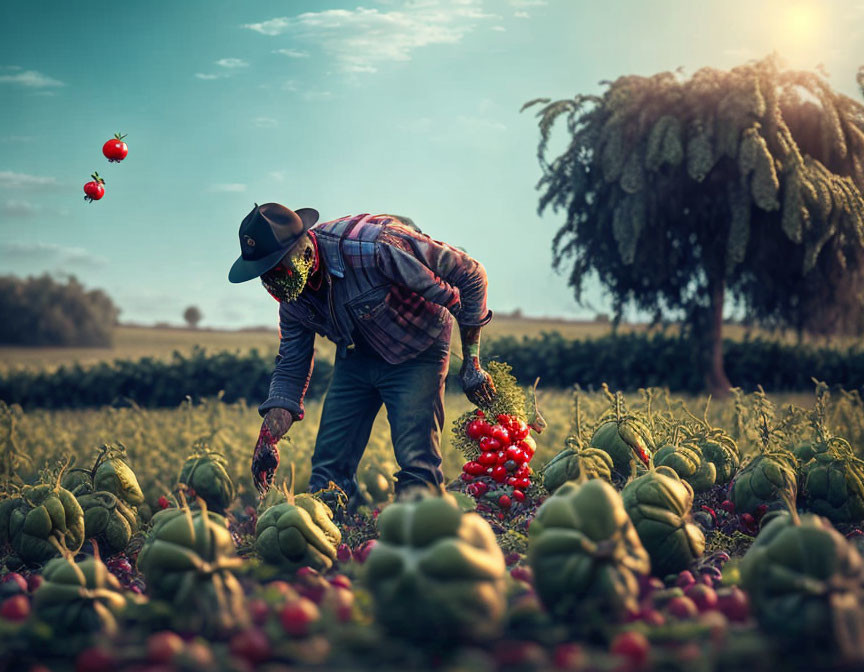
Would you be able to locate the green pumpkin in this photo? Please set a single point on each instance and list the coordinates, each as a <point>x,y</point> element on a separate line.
<point>188,561</point>
<point>720,449</point>
<point>574,462</point>
<point>659,505</point>
<point>833,485</point>
<point>79,599</point>
<point>805,587</point>
<point>41,512</point>
<point>108,520</point>
<point>628,442</point>
<point>686,460</point>
<point>78,481</point>
<point>113,474</point>
<point>207,475</point>
<point>437,575</point>
<point>299,534</point>
<point>769,479</point>
<point>586,555</point>
<point>377,484</point>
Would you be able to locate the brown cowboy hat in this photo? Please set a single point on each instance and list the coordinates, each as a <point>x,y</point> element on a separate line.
<point>266,234</point>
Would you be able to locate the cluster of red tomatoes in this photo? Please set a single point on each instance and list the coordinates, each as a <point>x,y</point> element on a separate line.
<point>115,150</point>
<point>501,469</point>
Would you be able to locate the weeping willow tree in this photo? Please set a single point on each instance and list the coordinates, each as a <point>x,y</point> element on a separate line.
<point>680,191</point>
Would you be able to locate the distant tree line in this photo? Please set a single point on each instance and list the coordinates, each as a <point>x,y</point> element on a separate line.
<point>42,311</point>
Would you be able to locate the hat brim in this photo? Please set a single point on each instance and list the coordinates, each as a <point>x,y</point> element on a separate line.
<point>244,270</point>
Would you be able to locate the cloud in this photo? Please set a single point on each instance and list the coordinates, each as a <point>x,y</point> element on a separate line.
<point>528,3</point>
<point>12,180</point>
<point>50,254</point>
<point>30,79</point>
<point>277,175</point>
<point>208,76</point>
<point>265,122</point>
<point>17,138</point>
<point>499,29</point>
<point>13,208</point>
<point>228,188</point>
<point>232,63</point>
<point>522,15</point>
<point>361,40</point>
<point>292,53</point>
<point>316,96</point>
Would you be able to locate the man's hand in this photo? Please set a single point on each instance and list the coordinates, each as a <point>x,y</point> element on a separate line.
<point>265,459</point>
<point>476,383</point>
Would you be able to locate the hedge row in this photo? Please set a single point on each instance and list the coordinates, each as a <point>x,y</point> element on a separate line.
<point>624,362</point>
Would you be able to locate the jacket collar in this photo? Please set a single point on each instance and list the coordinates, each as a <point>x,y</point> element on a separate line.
<point>329,249</point>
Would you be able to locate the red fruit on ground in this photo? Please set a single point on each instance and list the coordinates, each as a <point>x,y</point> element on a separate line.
<point>340,581</point>
<point>467,478</point>
<point>475,468</point>
<point>163,646</point>
<point>481,488</point>
<point>487,459</point>
<point>728,506</point>
<point>499,473</point>
<point>632,645</point>
<point>503,419</point>
<point>511,481</point>
<point>95,659</point>
<point>115,150</point>
<point>15,609</point>
<point>519,431</point>
<point>258,611</point>
<point>570,656</point>
<point>523,483</point>
<point>652,617</point>
<point>362,552</point>
<point>13,583</point>
<point>340,603</point>
<point>94,190</point>
<point>518,495</point>
<point>298,616</point>
<point>522,574</point>
<point>515,453</point>
<point>682,608</point>
<point>504,502</point>
<point>343,553</point>
<point>704,597</point>
<point>251,645</point>
<point>163,502</point>
<point>34,581</point>
<point>685,579</point>
<point>199,655</point>
<point>488,444</point>
<point>476,429</point>
<point>732,602</point>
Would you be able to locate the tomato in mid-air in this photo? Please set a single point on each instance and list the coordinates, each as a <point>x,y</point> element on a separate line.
<point>115,150</point>
<point>94,190</point>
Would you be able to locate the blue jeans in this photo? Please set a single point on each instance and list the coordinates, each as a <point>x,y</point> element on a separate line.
<point>412,392</point>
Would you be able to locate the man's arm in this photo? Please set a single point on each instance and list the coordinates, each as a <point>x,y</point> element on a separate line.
<point>284,404</point>
<point>445,275</point>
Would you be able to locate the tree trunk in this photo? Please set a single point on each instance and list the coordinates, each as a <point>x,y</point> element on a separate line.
<point>708,333</point>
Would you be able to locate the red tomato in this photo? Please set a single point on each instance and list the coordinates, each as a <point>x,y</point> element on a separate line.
<point>516,454</point>
<point>524,471</point>
<point>500,433</point>
<point>504,502</point>
<point>519,496</point>
<point>501,457</point>
<point>488,459</point>
<point>467,478</point>
<point>94,190</point>
<point>15,609</point>
<point>499,473</point>
<point>95,659</point>
<point>504,419</point>
<point>479,413</point>
<point>297,617</point>
<point>487,443</point>
<point>163,646</point>
<point>511,480</point>
<point>631,645</point>
<point>523,483</point>
<point>115,150</point>
<point>477,429</point>
<point>519,431</point>
<point>475,468</point>
<point>258,609</point>
<point>250,645</point>
<point>481,487</point>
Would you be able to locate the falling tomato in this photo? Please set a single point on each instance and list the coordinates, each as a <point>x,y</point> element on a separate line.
<point>94,190</point>
<point>115,150</point>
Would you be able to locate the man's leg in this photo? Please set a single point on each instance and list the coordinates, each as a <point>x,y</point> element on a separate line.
<point>413,393</point>
<point>350,407</point>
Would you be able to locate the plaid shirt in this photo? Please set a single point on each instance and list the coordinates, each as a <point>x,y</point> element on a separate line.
<point>399,288</point>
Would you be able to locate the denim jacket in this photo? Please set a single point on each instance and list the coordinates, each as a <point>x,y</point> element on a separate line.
<point>398,287</point>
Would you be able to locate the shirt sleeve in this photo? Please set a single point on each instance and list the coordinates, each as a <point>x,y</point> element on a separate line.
<point>294,365</point>
<point>436,271</point>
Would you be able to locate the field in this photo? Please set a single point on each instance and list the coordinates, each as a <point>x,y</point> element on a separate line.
<point>134,342</point>
<point>334,619</point>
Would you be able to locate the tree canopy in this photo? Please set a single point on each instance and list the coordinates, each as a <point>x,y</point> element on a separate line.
<point>678,189</point>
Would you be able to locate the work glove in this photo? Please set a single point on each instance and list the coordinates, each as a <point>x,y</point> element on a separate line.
<point>265,459</point>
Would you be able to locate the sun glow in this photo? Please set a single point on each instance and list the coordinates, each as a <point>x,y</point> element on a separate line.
<point>798,33</point>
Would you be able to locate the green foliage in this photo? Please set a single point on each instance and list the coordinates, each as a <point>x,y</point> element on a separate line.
<point>749,179</point>
<point>42,311</point>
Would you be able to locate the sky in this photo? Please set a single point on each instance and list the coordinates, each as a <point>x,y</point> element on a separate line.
<point>401,106</point>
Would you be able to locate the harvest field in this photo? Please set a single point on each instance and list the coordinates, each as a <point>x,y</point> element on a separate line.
<point>320,595</point>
